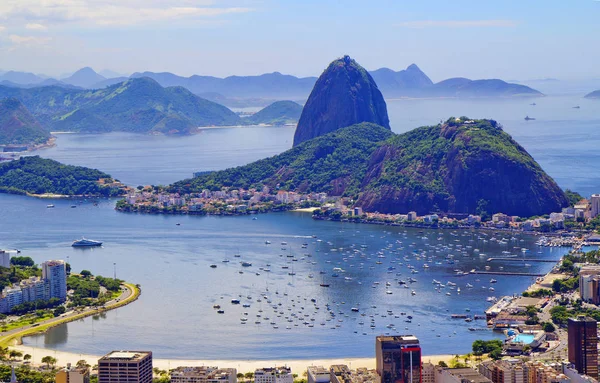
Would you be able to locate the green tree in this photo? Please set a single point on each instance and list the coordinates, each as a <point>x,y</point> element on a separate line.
<point>49,360</point>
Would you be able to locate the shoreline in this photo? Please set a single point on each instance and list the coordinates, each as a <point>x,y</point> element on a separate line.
<point>14,337</point>
<point>242,365</point>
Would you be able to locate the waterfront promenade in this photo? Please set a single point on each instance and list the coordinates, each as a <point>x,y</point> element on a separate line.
<point>129,293</point>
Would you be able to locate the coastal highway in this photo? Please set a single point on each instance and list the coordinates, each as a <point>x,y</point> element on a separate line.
<point>129,293</point>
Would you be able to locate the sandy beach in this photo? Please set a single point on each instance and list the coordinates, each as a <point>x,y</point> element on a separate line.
<point>297,365</point>
<point>306,209</point>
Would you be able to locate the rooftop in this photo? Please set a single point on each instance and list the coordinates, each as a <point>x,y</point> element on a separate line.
<point>468,374</point>
<point>129,355</point>
<point>398,338</point>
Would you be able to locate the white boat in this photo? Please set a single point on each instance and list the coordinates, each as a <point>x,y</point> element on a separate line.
<point>86,243</point>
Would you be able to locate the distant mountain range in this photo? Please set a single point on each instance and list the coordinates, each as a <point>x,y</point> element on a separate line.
<point>139,105</point>
<point>410,82</point>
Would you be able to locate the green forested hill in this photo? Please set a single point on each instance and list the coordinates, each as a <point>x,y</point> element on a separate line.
<point>462,166</point>
<point>18,126</point>
<point>278,113</point>
<point>37,175</point>
<point>141,105</point>
<point>333,163</point>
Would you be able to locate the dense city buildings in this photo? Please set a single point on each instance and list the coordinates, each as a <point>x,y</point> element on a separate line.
<point>52,284</point>
<point>73,375</point>
<point>398,359</point>
<point>125,367</point>
<point>273,375</point>
<point>203,374</point>
<point>583,345</point>
<point>519,371</point>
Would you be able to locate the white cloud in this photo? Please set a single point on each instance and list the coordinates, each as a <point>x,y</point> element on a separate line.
<point>2,28</point>
<point>110,12</point>
<point>28,40</point>
<point>457,23</point>
<point>35,27</point>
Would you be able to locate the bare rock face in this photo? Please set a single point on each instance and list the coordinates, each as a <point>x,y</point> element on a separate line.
<point>345,94</point>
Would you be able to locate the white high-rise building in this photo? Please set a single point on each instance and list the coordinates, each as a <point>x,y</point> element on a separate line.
<point>595,202</point>
<point>54,273</point>
<point>4,258</point>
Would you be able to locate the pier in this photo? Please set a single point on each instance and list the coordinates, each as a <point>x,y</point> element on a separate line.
<point>508,273</point>
<point>492,259</point>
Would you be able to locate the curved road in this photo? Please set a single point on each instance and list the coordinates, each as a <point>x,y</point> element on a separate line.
<point>129,293</point>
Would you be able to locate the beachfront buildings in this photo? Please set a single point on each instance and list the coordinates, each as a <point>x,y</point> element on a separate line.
<point>583,345</point>
<point>459,375</point>
<point>73,375</point>
<point>273,375</point>
<point>398,359</point>
<point>203,374</point>
<point>519,371</point>
<point>53,284</point>
<point>125,367</point>
<point>317,374</point>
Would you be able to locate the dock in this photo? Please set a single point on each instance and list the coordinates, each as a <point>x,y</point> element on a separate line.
<point>515,259</point>
<point>508,273</point>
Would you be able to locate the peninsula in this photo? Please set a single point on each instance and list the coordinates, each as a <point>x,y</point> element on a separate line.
<point>460,166</point>
<point>38,176</point>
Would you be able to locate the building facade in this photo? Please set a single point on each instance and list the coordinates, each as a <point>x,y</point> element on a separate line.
<point>317,374</point>
<point>583,345</point>
<point>53,284</point>
<point>203,374</point>
<point>73,375</point>
<point>55,273</point>
<point>273,375</point>
<point>398,359</point>
<point>125,367</point>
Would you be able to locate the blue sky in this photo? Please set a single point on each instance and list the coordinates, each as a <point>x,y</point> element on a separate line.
<point>525,39</point>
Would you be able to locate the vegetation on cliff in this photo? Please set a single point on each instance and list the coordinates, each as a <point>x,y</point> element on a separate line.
<point>18,126</point>
<point>461,166</point>
<point>141,106</point>
<point>334,163</point>
<point>278,113</point>
<point>37,175</point>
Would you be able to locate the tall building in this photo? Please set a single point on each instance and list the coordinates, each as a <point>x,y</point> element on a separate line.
<point>595,202</point>
<point>589,284</point>
<point>203,374</point>
<point>73,375</point>
<point>398,359</point>
<point>55,275</point>
<point>5,259</point>
<point>125,367</point>
<point>583,345</point>
<point>273,375</point>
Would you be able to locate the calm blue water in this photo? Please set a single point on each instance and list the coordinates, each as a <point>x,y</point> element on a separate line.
<point>174,317</point>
